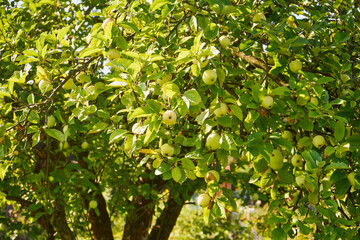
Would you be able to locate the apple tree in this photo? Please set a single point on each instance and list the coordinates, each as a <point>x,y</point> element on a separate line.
<point>128,108</point>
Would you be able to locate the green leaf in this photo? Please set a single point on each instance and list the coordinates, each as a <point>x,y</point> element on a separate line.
<point>141,112</point>
<point>337,165</point>
<point>306,124</point>
<point>187,164</point>
<point>211,31</point>
<point>176,174</point>
<point>354,141</point>
<point>170,89</point>
<point>278,233</point>
<point>281,91</point>
<point>339,130</point>
<point>237,111</point>
<point>341,37</point>
<point>55,134</point>
<point>312,157</point>
<point>117,135</point>
<point>193,96</point>
<point>285,177</point>
<point>323,80</point>
<point>90,52</point>
<point>341,187</point>
<point>3,169</point>
<point>129,25</point>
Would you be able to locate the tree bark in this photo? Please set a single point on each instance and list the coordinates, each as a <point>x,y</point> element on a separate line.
<point>138,221</point>
<point>167,220</point>
<point>100,225</point>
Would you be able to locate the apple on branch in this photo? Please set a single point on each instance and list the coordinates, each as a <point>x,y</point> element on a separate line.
<point>209,77</point>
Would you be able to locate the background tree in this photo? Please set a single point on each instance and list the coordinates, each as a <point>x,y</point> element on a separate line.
<point>123,107</point>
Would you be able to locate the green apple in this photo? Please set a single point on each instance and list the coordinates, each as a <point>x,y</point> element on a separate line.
<point>45,86</point>
<point>50,121</point>
<point>113,54</point>
<point>221,111</point>
<point>167,150</point>
<point>203,200</point>
<point>209,77</point>
<point>68,85</point>
<point>106,22</point>
<point>287,135</point>
<point>314,100</point>
<point>169,117</point>
<point>84,145</point>
<point>297,160</point>
<point>267,102</point>
<point>344,78</point>
<point>213,141</point>
<point>257,17</point>
<point>93,204</point>
<point>318,141</point>
<point>276,159</point>
<point>295,66</point>
<point>300,180</point>
<point>302,99</point>
<point>351,178</point>
<point>212,175</point>
<point>224,41</point>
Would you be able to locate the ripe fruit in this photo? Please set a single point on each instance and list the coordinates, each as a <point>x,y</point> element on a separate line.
<point>167,150</point>
<point>319,141</point>
<point>287,135</point>
<point>113,54</point>
<point>106,22</point>
<point>221,111</point>
<point>224,41</point>
<point>268,102</point>
<point>296,160</point>
<point>209,77</point>
<point>169,117</point>
<point>68,85</point>
<point>295,66</point>
<point>276,159</point>
<point>257,17</point>
<point>351,178</point>
<point>212,175</point>
<point>203,200</point>
<point>84,145</point>
<point>213,141</point>
<point>45,86</point>
<point>300,180</point>
<point>93,204</point>
<point>50,121</point>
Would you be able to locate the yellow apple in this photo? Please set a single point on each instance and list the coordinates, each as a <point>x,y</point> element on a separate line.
<point>167,150</point>
<point>318,141</point>
<point>287,135</point>
<point>213,141</point>
<point>224,41</point>
<point>169,117</point>
<point>267,102</point>
<point>295,66</point>
<point>300,180</point>
<point>276,159</point>
<point>221,111</point>
<point>212,175</point>
<point>209,77</point>
<point>297,160</point>
<point>203,200</point>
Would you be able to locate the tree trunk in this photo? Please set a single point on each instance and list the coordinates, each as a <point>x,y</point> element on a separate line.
<point>167,220</point>
<point>100,225</point>
<point>138,221</point>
